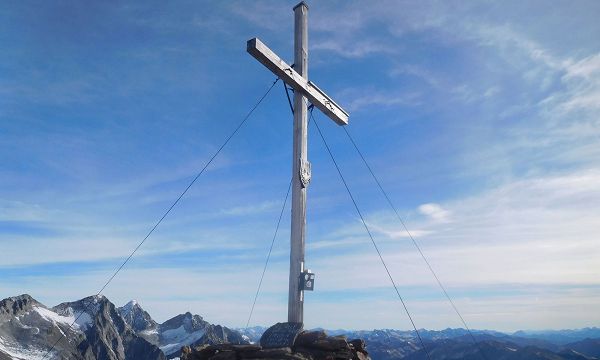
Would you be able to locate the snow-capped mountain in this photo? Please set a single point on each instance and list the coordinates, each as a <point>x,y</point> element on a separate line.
<point>173,334</point>
<point>136,317</point>
<point>183,329</point>
<point>252,333</point>
<point>29,329</point>
<point>94,329</point>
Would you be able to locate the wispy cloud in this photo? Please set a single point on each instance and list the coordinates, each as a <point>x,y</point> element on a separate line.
<point>582,78</point>
<point>538,230</point>
<point>417,71</point>
<point>262,14</point>
<point>435,212</point>
<point>368,99</point>
<point>357,49</point>
<point>14,210</point>
<point>250,209</point>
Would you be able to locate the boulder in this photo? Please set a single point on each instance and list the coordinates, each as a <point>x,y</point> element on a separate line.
<point>236,347</point>
<point>224,355</point>
<point>331,344</point>
<point>358,344</point>
<point>306,338</point>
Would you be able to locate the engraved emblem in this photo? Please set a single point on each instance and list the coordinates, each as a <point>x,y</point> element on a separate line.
<point>304,172</point>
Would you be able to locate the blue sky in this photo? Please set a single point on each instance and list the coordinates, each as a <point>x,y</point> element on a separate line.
<point>480,118</point>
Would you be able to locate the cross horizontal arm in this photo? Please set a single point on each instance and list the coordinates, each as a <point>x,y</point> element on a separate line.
<point>316,96</point>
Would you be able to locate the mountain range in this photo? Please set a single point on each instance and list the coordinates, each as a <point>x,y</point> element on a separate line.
<point>93,328</point>
<point>390,344</point>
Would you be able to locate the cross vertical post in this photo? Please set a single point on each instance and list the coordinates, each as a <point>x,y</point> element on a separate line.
<point>300,166</point>
<point>305,91</point>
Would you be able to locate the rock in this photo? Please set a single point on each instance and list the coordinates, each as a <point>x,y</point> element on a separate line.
<point>315,353</point>
<point>224,355</point>
<point>331,344</point>
<point>360,356</point>
<point>236,347</point>
<point>281,335</point>
<point>273,353</point>
<point>358,344</point>
<point>186,350</point>
<point>278,353</point>
<point>318,354</point>
<point>306,338</point>
<point>201,352</point>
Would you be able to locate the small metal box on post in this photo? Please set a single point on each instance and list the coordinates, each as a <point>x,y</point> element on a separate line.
<point>307,280</point>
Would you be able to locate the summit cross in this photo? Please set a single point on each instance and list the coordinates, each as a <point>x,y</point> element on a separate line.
<point>296,76</point>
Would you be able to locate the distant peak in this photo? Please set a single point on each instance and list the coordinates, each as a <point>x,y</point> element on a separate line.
<point>136,317</point>
<point>94,298</point>
<point>132,307</point>
<point>131,304</point>
<point>16,304</point>
<point>21,297</point>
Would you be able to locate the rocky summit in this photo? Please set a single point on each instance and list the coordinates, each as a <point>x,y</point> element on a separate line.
<point>309,345</point>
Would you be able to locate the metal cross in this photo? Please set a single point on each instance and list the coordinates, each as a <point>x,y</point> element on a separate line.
<point>297,78</point>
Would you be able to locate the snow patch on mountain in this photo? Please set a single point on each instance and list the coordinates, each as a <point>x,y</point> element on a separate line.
<point>149,332</point>
<point>174,339</point>
<point>19,352</point>
<point>80,320</point>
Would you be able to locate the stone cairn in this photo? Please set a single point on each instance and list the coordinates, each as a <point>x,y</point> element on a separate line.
<point>308,345</point>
